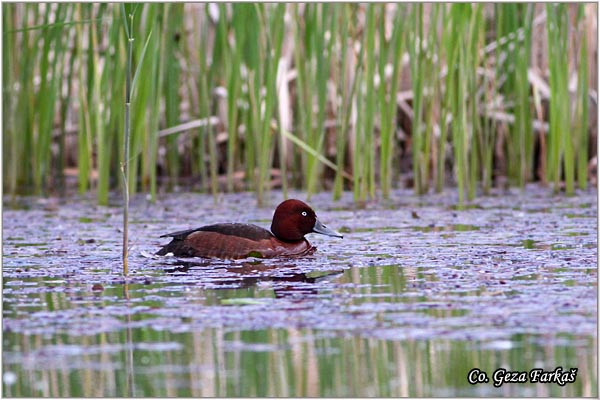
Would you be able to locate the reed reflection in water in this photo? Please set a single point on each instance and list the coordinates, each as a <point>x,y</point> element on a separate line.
<point>282,363</point>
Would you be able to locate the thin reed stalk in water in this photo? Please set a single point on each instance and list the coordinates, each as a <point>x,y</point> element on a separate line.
<point>125,162</point>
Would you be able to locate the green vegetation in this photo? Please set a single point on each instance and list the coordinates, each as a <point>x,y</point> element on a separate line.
<point>313,96</point>
<point>128,17</point>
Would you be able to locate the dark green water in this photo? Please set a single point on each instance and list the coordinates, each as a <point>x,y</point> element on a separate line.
<point>417,295</point>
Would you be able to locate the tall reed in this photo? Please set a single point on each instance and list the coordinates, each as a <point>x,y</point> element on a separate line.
<point>560,156</point>
<point>28,107</point>
<point>456,43</point>
<point>473,100</point>
<point>514,28</point>
<point>390,58</point>
<point>446,50</point>
<point>581,112</point>
<point>213,75</point>
<point>364,153</point>
<point>152,67</point>
<point>272,34</point>
<point>422,65</point>
<point>313,63</point>
<point>345,93</point>
<point>207,141</point>
<point>9,79</point>
<point>128,24</point>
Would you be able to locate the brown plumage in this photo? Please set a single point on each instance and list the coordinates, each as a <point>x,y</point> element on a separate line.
<point>291,221</point>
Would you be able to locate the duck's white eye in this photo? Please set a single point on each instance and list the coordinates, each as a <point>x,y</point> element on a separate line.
<point>304,213</point>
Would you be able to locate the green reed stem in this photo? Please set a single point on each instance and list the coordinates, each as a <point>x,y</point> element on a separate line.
<point>98,81</point>
<point>84,142</point>
<point>65,100</point>
<point>514,22</point>
<point>51,50</point>
<point>343,110</point>
<point>154,56</point>
<point>581,117</point>
<point>388,98</point>
<point>46,96</point>
<point>323,19</point>
<point>523,109</point>
<point>431,96</point>
<point>206,141</point>
<point>125,162</point>
<point>171,85</point>
<point>472,62</point>
<point>9,141</point>
<point>273,39</point>
<point>459,17</point>
<point>364,158</point>
<point>304,58</point>
<point>559,138</point>
<point>417,61</point>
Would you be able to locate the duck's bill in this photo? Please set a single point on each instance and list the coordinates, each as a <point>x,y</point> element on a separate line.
<point>323,230</point>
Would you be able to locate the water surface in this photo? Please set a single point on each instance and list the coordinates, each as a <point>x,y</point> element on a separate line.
<point>417,294</point>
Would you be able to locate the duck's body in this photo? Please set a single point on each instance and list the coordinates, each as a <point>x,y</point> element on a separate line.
<point>233,241</point>
<point>291,221</point>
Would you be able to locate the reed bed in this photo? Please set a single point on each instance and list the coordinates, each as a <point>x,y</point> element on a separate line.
<point>312,96</point>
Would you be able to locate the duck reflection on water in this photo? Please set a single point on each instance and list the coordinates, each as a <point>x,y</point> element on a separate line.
<point>287,280</point>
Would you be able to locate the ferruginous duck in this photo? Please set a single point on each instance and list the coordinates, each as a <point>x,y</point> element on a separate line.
<point>292,220</point>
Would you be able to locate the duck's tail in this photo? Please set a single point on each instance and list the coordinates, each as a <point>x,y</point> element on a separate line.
<point>176,247</point>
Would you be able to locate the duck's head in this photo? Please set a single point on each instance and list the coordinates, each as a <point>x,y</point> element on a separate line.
<point>293,219</point>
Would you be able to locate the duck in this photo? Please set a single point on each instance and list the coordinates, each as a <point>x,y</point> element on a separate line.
<point>292,220</point>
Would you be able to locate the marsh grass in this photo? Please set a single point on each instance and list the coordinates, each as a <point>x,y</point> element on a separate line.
<point>389,60</point>
<point>345,88</point>
<point>364,153</point>
<point>581,116</point>
<point>312,96</point>
<point>560,157</point>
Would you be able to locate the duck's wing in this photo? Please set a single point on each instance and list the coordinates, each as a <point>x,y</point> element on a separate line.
<point>247,231</point>
<point>213,241</point>
<point>180,234</point>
